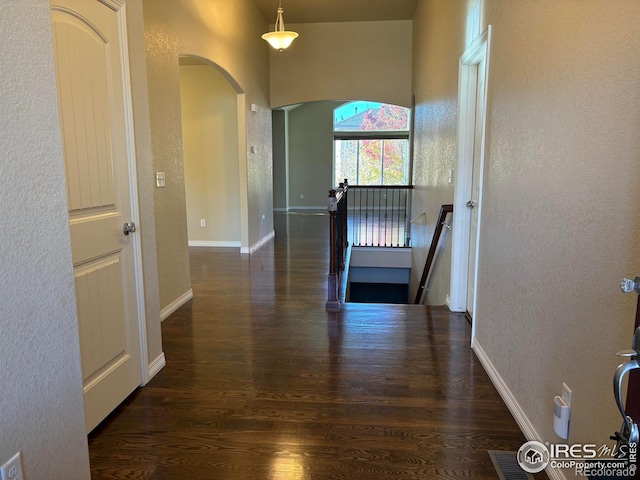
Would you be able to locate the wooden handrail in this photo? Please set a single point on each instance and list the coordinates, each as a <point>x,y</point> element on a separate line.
<point>444,211</point>
<point>388,187</point>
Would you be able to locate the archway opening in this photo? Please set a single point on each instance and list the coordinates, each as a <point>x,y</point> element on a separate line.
<point>213,149</point>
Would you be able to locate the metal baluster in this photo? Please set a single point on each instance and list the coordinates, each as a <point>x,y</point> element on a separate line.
<point>379,213</point>
<point>366,220</point>
<point>406,218</point>
<point>359,216</point>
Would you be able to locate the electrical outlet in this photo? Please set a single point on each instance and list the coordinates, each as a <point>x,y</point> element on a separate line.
<point>262,219</point>
<point>203,222</point>
<point>566,394</point>
<point>12,470</point>
<point>302,196</point>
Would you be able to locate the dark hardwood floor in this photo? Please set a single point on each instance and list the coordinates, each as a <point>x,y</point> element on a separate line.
<point>262,383</point>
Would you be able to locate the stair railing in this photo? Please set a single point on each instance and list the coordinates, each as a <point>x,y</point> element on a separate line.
<point>338,244</point>
<point>379,215</point>
<point>444,211</point>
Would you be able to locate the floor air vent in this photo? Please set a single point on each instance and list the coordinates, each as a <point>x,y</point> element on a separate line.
<point>507,466</point>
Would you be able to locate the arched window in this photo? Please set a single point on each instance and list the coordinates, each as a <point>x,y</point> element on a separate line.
<point>371,143</point>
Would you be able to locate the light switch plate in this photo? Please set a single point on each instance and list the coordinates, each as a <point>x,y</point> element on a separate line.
<point>12,470</point>
<point>160,179</point>
<point>566,394</point>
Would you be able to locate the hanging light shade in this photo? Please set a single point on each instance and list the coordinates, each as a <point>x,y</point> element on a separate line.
<point>280,38</point>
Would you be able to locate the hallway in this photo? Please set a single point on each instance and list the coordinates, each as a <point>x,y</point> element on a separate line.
<point>262,383</point>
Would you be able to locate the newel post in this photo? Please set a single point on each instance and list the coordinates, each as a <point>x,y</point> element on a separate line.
<point>333,302</point>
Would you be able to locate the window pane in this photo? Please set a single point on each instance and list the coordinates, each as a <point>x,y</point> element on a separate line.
<point>395,165</point>
<point>370,117</point>
<point>349,117</point>
<point>346,152</point>
<point>362,156</point>
<point>388,118</point>
<point>370,162</point>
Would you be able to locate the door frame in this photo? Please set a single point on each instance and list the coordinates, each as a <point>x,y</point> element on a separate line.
<point>119,6</point>
<point>478,51</point>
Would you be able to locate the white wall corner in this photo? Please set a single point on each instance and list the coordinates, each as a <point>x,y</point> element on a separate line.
<point>155,366</point>
<point>512,404</point>
<point>258,245</point>
<point>176,304</point>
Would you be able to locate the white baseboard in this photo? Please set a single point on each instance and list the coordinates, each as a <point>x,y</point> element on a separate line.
<point>528,430</point>
<point>214,243</point>
<point>280,209</point>
<point>176,304</point>
<point>321,207</point>
<point>157,365</point>
<point>258,245</point>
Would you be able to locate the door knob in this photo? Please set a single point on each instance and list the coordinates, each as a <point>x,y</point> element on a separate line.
<point>472,204</point>
<point>627,285</point>
<point>128,228</point>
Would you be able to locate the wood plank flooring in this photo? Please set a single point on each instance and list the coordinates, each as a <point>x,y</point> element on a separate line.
<point>262,383</point>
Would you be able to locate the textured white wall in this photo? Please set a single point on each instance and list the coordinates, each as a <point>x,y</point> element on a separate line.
<point>211,170</point>
<point>344,61</point>
<point>226,33</point>
<point>561,224</point>
<point>41,401</point>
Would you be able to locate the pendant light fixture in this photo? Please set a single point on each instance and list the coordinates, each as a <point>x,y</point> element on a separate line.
<point>280,38</point>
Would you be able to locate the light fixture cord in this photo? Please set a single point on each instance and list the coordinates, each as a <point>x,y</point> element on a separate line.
<point>279,20</point>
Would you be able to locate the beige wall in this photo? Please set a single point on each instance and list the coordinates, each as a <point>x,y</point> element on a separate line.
<point>560,217</point>
<point>226,33</point>
<point>311,154</point>
<point>41,400</point>
<point>560,223</point>
<point>344,61</point>
<point>144,163</point>
<point>211,166</point>
<point>437,45</point>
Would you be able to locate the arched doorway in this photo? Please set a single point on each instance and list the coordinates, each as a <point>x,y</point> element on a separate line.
<point>214,151</point>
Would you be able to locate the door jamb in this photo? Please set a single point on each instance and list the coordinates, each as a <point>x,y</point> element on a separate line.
<point>120,7</point>
<point>479,50</point>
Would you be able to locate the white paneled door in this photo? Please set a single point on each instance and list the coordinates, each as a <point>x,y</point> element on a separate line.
<point>89,51</point>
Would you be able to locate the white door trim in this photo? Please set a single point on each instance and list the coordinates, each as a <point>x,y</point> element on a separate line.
<point>478,51</point>
<point>120,7</point>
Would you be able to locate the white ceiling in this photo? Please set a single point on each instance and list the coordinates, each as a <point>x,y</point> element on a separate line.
<point>321,11</point>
